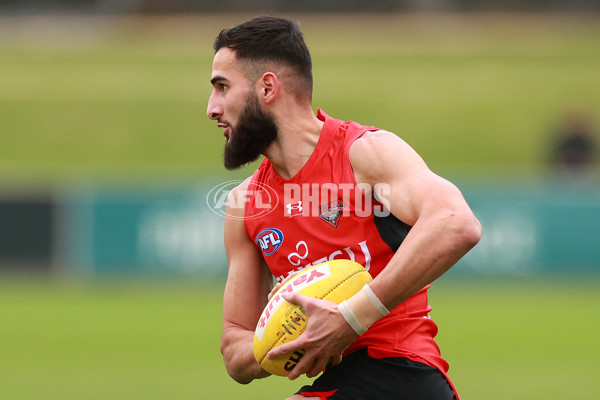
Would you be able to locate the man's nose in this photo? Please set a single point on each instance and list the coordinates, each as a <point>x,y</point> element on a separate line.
<point>213,110</point>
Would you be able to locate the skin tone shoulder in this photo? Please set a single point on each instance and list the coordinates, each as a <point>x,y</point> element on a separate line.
<point>444,228</point>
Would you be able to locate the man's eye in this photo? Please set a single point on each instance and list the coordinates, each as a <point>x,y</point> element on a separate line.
<point>223,87</point>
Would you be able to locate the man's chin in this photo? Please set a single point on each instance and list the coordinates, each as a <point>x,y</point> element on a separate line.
<point>232,163</point>
<point>235,166</point>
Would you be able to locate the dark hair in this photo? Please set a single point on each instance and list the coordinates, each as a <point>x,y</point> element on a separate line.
<point>265,40</point>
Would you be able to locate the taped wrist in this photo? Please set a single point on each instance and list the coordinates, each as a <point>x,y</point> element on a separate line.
<point>362,310</point>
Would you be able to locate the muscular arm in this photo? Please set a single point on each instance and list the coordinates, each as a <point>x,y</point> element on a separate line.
<point>248,284</point>
<point>443,230</point>
<point>443,226</point>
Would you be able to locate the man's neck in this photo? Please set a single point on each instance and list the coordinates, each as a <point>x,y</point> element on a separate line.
<point>296,140</point>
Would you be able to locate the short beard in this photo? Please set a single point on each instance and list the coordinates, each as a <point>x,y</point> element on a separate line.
<point>253,133</point>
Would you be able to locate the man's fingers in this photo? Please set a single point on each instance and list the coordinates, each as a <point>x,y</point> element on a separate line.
<point>318,366</point>
<point>311,364</point>
<point>320,363</point>
<point>297,298</point>
<point>283,282</point>
<point>335,360</point>
<point>285,348</point>
<point>319,349</point>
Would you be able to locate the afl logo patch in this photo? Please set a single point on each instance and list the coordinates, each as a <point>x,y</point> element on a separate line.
<point>269,240</point>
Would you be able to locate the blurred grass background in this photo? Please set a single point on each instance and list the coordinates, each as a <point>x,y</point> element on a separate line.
<point>89,99</point>
<point>529,339</point>
<point>98,97</point>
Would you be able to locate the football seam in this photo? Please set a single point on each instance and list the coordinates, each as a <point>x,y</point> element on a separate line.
<point>321,298</point>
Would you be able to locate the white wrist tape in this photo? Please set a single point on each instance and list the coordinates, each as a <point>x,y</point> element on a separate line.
<point>362,310</point>
<point>351,318</point>
<point>375,300</point>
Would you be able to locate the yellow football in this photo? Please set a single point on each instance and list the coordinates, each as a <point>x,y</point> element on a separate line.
<point>282,321</point>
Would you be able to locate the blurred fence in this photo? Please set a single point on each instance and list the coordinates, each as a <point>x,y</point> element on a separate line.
<point>99,231</point>
<point>112,230</point>
<point>536,228</point>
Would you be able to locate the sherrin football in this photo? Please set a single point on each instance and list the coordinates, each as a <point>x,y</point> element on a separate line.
<point>282,321</point>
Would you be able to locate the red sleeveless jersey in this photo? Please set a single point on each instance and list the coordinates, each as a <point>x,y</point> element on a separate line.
<point>320,214</point>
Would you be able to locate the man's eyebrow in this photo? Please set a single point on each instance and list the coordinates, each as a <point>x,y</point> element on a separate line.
<point>217,79</point>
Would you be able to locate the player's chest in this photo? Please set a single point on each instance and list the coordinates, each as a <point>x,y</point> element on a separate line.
<point>299,234</point>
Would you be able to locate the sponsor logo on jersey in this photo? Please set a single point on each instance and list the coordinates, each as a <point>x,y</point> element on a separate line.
<point>331,212</point>
<point>293,209</point>
<point>300,257</point>
<point>269,240</point>
<point>294,285</point>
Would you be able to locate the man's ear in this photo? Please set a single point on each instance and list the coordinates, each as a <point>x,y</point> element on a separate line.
<point>269,87</point>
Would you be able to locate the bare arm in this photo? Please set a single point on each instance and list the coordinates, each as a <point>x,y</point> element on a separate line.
<point>443,230</point>
<point>443,226</point>
<point>248,284</point>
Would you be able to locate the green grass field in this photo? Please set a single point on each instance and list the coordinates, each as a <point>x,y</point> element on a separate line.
<point>529,339</point>
<point>127,97</point>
